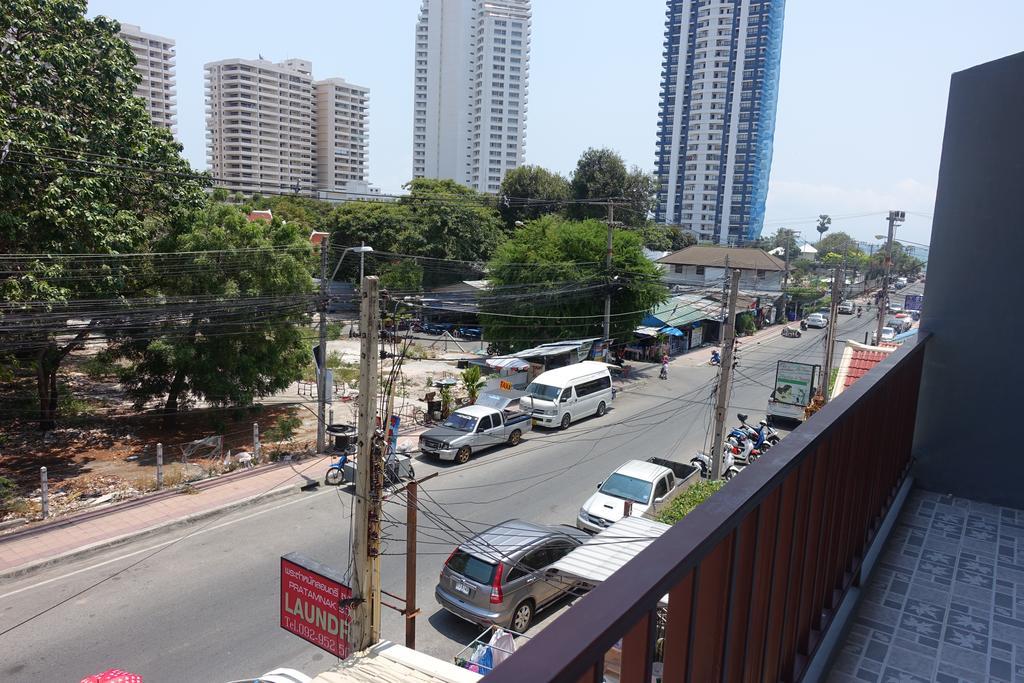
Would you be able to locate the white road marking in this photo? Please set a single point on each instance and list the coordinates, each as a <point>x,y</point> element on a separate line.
<point>162,544</point>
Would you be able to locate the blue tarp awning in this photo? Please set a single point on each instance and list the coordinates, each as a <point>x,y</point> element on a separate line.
<point>671,331</point>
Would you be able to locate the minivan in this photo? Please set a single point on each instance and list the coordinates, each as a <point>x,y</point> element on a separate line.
<point>499,575</point>
<point>561,396</point>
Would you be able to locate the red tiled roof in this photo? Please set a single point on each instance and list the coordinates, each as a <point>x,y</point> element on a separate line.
<point>861,362</point>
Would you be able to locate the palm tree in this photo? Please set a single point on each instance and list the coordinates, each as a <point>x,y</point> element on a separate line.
<point>824,221</point>
<point>472,382</point>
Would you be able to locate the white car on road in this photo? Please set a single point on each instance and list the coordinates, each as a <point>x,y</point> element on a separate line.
<point>817,320</point>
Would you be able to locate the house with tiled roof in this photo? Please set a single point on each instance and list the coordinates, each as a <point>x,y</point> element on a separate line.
<point>856,361</point>
<point>704,265</point>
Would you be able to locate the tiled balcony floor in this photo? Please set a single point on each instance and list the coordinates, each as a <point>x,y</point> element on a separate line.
<point>946,599</point>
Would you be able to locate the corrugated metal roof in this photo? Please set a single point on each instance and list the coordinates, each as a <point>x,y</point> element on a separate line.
<point>684,309</point>
<point>387,662</point>
<point>608,551</point>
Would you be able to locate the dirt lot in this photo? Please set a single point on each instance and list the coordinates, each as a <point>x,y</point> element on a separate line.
<point>104,450</point>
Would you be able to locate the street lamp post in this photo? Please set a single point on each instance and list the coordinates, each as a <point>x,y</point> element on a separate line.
<point>322,388</point>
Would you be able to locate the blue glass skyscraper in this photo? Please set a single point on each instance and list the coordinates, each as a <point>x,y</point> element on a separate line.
<point>720,87</point>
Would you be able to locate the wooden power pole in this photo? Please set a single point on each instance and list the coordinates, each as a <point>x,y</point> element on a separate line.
<point>608,276</point>
<point>724,377</point>
<point>366,542</point>
<point>830,333</point>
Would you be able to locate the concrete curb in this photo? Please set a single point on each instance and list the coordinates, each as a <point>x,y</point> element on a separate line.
<point>29,568</point>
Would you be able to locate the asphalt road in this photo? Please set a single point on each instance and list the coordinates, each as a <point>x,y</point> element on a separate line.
<point>202,605</point>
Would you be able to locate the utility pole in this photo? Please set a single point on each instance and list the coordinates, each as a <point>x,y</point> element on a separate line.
<point>410,564</point>
<point>830,334</point>
<point>724,378</point>
<point>785,280</point>
<point>725,300</point>
<point>321,385</point>
<point>366,542</point>
<point>883,303</point>
<point>608,274</point>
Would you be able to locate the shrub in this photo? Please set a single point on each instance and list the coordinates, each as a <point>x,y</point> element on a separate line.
<point>7,489</point>
<point>683,504</point>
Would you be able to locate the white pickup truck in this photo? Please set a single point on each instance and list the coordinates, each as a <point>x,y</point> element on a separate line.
<point>646,486</point>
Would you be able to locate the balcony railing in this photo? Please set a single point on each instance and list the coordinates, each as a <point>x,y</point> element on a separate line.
<point>755,575</point>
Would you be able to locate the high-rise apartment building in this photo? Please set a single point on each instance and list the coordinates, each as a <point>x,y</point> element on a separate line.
<point>342,124</point>
<point>154,62</point>
<point>272,129</point>
<point>471,77</point>
<point>720,82</point>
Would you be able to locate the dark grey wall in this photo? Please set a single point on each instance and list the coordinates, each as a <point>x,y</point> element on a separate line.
<point>970,431</point>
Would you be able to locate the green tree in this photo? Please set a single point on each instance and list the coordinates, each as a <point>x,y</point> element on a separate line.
<point>557,268</point>
<point>85,168</point>
<point>601,175</point>
<point>401,276</point>
<point>824,223</point>
<point>831,260</point>
<point>529,192</point>
<point>838,242</point>
<point>451,221</point>
<point>439,219</point>
<point>224,346</point>
<point>472,382</point>
<point>786,239</point>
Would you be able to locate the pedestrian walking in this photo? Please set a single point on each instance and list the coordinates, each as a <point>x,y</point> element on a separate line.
<point>664,367</point>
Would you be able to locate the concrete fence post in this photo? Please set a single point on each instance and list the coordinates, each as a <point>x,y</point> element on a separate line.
<point>44,485</point>
<point>159,466</point>
<point>256,441</point>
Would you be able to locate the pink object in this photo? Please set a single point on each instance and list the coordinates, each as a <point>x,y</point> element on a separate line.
<point>113,676</point>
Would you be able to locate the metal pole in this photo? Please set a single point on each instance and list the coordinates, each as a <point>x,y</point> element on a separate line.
<point>321,384</point>
<point>45,487</point>
<point>607,275</point>
<point>362,253</point>
<point>256,441</point>
<point>410,566</point>
<point>159,466</point>
<point>883,303</point>
<point>363,588</point>
<point>724,378</point>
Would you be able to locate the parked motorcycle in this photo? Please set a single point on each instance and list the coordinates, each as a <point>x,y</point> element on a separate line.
<point>702,461</point>
<point>336,472</point>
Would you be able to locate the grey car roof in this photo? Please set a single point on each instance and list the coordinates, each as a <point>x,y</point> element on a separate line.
<point>508,540</point>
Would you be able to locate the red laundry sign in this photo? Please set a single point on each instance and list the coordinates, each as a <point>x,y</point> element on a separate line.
<point>311,596</point>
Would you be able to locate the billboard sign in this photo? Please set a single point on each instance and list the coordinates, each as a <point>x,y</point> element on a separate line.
<point>913,302</point>
<point>794,383</point>
<point>311,598</point>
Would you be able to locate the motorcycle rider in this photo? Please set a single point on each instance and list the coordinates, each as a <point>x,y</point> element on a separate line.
<point>860,311</point>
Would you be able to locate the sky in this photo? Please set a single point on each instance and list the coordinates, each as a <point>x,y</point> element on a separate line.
<point>862,97</point>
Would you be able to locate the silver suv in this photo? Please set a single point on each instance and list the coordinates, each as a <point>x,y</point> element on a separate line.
<point>498,576</point>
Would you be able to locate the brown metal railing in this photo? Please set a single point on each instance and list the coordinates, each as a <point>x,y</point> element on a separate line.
<point>755,574</point>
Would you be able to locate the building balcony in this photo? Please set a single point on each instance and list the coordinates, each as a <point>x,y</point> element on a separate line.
<point>757,576</point>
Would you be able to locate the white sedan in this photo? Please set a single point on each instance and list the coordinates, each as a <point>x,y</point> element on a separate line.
<point>817,320</point>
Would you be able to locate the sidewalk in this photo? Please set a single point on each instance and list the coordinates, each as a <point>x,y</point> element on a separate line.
<point>77,535</point>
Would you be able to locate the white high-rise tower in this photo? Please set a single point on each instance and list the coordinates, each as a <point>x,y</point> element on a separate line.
<point>154,62</point>
<point>472,72</point>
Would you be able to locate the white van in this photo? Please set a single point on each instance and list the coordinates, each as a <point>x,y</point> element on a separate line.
<point>562,396</point>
